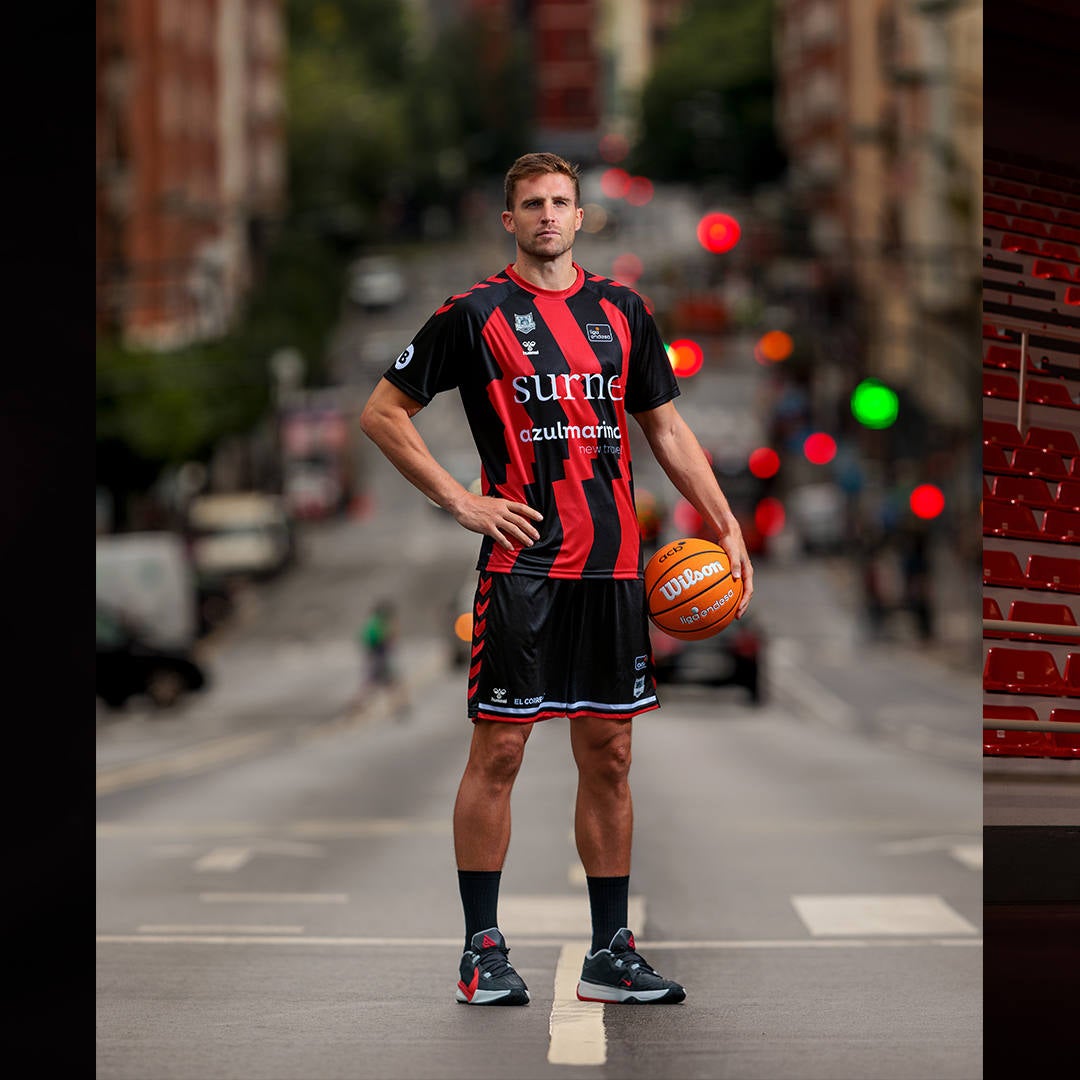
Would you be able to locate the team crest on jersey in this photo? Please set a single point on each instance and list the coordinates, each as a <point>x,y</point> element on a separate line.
<point>524,324</point>
<point>598,331</point>
<point>639,686</point>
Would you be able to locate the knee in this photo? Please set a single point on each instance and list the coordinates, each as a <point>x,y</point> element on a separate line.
<point>609,763</point>
<point>500,758</point>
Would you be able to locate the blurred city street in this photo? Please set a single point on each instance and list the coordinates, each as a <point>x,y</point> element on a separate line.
<point>277,894</point>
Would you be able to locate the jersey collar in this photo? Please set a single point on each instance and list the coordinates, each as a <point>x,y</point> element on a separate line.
<point>549,294</point>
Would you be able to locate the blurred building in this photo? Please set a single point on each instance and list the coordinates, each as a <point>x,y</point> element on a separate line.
<point>190,161</point>
<point>879,109</point>
<point>589,61</point>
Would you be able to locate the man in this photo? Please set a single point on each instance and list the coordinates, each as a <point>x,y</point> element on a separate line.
<point>549,360</point>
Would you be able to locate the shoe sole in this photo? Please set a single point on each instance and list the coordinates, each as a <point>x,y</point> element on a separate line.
<point>616,995</point>
<point>493,997</point>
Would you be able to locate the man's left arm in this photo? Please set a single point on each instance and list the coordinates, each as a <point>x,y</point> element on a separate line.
<point>680,456</point>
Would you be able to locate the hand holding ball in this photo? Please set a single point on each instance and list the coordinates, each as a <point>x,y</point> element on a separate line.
<point>689,589</point>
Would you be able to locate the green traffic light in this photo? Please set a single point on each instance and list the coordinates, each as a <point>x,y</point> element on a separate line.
<point>874,404</point>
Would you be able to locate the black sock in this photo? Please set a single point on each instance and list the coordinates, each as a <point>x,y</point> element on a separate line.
<point>608,900</point>
<point>480,899</point>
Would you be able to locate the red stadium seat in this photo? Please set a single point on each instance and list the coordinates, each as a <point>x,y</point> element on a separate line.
<point>1055,249</point>
<point>1001,204</point>
<point>1054,271</point>
<point>1061,526</point>
<point>1068,494</point>
<point>994,219</point>
<point>1041,392</point>
<point>1031,461</point>
<point>1074,469</point>
<point>1009,520</point>
<point>1059,439</point>
<point>1072,296</point>
<point>1014,743</point>
<point>991,610</point>
<point>1022,671</point>
<point>1029,611</point>
<point>1018,242</point>
<point>1066,744</point>
<point>1037,210</point>
<point>991,331</point>
<point>997,385</point>
<point>1064,232</point>
<point>1053,573</point>
<point>1002,356</point>
<point>1003,433</point>
<point>1002,568</point>
<point>1029,490</point>
<point>1071,677</point>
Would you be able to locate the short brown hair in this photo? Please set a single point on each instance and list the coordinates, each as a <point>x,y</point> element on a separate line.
<point>535,165</point>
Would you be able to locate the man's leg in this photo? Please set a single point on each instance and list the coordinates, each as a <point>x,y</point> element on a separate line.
<point>481,839</point>
<point>604,819</point>
<point>603,825</point>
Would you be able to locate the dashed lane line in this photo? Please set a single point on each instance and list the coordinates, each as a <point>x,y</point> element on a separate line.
<point>576,1034</point>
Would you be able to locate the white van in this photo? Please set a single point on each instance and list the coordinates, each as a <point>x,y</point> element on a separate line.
<point>248,534</point>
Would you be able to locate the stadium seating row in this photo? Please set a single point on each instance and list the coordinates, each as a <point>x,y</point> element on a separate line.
<point>1030,671</point>
<point>1034,492</point>
<point>1045,573</point>
<point>1029,611</point>
<point>1030,743</point>
<point>1025,174</point>
<point>1033,191</point>
<point>1017,522</point>
<point>1000,384</point>
<point>1017,224</point>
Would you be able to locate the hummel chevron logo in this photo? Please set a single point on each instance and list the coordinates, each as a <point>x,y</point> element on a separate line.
<point>482,606</point>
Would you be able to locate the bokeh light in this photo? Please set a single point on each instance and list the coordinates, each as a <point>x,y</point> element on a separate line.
<point>819,448</point>
<point>595,219</point>
<point>639,191</point>
<point>764,462</point>
<point>718,232</point>
<point>774,346</point>
<point>686,357</point>
<point>463,626</point>
<point>614,147</point>
<point>614,183</point>
<point>874,404</point>
<point>927,501</point>
<point>769,517</point>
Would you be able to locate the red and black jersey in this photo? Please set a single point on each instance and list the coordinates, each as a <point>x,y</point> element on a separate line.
<point>547,380</point>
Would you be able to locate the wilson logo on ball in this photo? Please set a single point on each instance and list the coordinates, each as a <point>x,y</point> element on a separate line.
<point>688,578</point>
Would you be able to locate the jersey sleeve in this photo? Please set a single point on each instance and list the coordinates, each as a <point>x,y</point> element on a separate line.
<point>432,361</point>
<point>650,382</point>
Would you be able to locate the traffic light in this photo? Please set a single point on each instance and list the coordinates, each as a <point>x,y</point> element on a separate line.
<point>718,232</point>
<point>874,404</point>
<point>686,357</point>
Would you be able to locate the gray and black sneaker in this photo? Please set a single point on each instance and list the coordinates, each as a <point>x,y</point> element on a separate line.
<point>620,974</point>
<point>487,977</point>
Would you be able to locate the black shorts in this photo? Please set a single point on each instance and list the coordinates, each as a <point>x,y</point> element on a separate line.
<point>545,647</point>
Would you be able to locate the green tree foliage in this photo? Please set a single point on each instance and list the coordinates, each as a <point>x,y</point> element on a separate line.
<point>707,108</point>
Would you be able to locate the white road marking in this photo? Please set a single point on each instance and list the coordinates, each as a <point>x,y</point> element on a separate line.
<point>537,943</point>
<point>214,928</point>
<point>224,858</point>
<point>232,857</point>
<point>273,898</point>
<point>858,915</point>
<point>971,855</point>
<point>790,679</point>
<point>330,829</point>
<point>576,1028</point>
<point>920,844</point>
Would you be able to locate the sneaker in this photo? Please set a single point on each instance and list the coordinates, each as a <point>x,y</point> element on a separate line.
<point>487,977</point>
<point>620,974</point>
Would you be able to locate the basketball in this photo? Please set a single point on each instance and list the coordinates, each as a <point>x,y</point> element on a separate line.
<point>689,589</point>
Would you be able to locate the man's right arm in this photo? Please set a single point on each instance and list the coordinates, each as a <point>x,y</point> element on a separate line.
<point>387,421</point>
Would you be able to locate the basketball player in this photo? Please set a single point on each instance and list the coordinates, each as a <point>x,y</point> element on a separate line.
<point>549,361</point>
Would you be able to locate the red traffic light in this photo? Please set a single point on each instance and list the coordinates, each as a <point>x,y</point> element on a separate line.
<point>686,357</point>
<point>718,232</point>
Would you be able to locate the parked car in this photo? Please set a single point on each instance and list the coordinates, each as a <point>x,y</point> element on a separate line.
<point>732,657</point>
<point>128,663</point>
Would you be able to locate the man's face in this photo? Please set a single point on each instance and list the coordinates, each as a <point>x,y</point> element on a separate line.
<point>544,217</point>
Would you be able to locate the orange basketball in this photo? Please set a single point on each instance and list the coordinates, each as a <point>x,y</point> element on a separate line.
<point>689,589</point>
